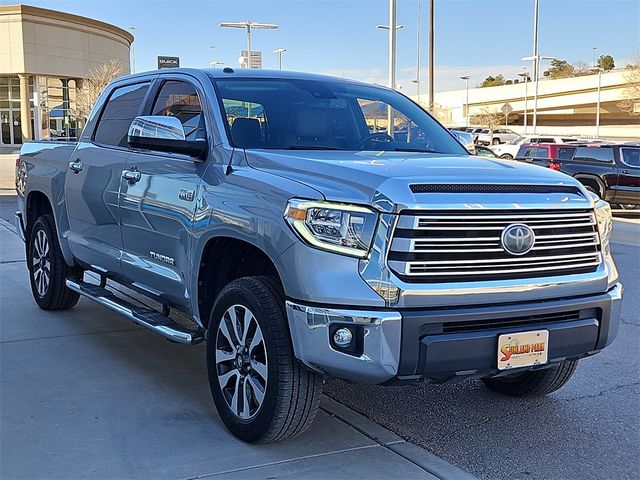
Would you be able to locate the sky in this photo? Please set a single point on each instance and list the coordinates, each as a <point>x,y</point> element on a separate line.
<point>339,37</point>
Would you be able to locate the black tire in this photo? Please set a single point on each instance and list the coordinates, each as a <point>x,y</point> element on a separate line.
<point>292,393</point>
<point>593,189</point>
<point>53,295</point>
<point>534,383</point>
<point>496,141</point>
<point>506,156</point>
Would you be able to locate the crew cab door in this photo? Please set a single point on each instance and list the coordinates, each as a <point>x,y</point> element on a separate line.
<point>92,183</point>
<point>157,208</point>
<point>628,189</point>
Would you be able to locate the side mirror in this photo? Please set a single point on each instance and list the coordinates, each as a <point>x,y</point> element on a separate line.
<point>164,134</point>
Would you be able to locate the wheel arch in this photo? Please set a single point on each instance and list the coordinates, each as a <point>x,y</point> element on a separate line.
<point>592,180</point>
<point>224,259</point>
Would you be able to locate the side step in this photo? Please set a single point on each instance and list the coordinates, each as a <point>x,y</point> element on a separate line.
<point>146,317</point>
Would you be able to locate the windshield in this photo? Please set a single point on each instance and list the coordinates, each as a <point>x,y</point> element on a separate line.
<point>298,114</point>
<point>516,141</point>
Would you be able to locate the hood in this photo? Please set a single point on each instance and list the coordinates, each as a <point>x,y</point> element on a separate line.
<point>366,177</point>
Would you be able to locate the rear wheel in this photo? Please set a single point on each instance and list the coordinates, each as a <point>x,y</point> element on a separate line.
<point>506,156</point>
<point>533,383</point>
<point>496,141</point>
<point>47,269</point>
<point>262,393</point>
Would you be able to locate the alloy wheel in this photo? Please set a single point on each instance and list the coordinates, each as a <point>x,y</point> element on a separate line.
<point>241,361</point>
<point>41,263</point>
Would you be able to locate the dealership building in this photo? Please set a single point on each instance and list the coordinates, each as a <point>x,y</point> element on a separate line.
<point>44,57</point>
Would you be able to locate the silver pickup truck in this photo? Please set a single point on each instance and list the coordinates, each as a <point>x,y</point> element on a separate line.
<point>307,226</point>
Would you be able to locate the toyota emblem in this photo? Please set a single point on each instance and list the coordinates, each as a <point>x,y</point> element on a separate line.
<point>517,239</point>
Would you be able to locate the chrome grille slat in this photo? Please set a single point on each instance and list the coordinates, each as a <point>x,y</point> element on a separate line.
<point>462,245</point>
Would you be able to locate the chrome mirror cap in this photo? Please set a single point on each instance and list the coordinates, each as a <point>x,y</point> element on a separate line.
<point>156,126</point>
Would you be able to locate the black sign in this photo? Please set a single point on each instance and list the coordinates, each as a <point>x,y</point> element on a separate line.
<point>168,62</point>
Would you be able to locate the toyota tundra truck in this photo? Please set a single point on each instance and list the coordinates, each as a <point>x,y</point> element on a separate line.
<point>306,226</point>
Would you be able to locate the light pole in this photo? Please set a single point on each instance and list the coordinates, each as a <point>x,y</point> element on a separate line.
<point>431,55</point>
<point>393,28</point>
<point>248,26</point>
<point>466,113</point>
<point>536,59</point>
<point>524,74</point>
<point>279,52</point>
<point>214,62</point>
<point>133,52</point>
<point>595,49</point>
<point>535,39</point>
<point>419,28</point>
<point>598,101</point>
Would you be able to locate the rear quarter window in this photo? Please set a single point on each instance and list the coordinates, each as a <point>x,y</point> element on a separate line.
<point>566,153</point>
<point>594,154</point>
<point>631,156</point>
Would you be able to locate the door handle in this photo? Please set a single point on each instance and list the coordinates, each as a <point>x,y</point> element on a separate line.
<point>76,166</point>
<point>131,176</point>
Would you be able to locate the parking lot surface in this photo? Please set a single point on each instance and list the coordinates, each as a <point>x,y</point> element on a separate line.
<point>588,429</point>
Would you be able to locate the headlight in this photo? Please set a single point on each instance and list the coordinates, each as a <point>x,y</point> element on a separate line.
<point>339,228</point>
<point>605,224</point>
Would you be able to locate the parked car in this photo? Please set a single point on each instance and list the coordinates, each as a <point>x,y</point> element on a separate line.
<point>482,151</point>
<point>611,171</point>
<point>465,139</point>
<point>261,208</point>
<point>510,149</point>
<point>499,135</point>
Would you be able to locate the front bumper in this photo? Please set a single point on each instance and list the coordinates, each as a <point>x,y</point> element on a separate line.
<point>441,344</point>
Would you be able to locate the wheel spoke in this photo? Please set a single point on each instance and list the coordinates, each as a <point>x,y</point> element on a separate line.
<point>260,368</point>
<point>234,324</point>
<point>45,247</point>
<point>47,265</point>
<point>246,322</point>
<point>225,333</point>
<point>258,391</point>
<point>234,397</point>
<point>256,340</point>
<point>245,398</point>
<point>222,356</point>
<point>46,281</point>
<point>224,379</point>
<point>35,261</point>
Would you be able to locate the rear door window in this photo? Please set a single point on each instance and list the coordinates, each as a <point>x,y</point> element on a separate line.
<point>537,152</point>
<point>566,153</point>
<point>118,113</point>
<point>631,156</point>
<point>596,154</point>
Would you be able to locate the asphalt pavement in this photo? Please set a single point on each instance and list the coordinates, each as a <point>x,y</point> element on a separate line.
<point>588,429</point>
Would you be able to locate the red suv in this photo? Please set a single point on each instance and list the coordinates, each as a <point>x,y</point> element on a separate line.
<point>545,154</point>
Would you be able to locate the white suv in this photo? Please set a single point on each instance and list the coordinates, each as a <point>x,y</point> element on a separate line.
<point>500,135</point>
<point>509,150</point>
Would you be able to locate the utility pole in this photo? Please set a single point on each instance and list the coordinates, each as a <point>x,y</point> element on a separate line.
<point>417,80</point>
<point>248,26</point>
<point>525,76</point>
<point>279,52</point>
<point>534,55</point>
<point>133,52</point>
<point>431,54</point>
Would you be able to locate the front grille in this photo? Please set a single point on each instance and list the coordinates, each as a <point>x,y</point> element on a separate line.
<point>484,188</point>
<point>529,321</point>
<point>460,246</point>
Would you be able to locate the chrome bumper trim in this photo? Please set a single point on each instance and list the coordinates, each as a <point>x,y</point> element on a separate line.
<point>379,361</point>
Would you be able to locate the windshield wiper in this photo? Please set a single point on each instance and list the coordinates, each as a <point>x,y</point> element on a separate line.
<point>312,147</point>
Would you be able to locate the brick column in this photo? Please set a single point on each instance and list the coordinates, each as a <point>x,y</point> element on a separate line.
<point>25,107</point>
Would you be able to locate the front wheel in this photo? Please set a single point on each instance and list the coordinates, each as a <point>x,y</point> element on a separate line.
<point>496,141</point>
<point>506,156</point>
<point>47,269</point>
<point>262,393</point>
<point>534,383</point>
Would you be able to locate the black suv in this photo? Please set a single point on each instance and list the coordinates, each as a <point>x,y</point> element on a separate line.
<point>612,171</point>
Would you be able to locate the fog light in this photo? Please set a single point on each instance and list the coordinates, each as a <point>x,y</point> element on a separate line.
<point>342,337</point>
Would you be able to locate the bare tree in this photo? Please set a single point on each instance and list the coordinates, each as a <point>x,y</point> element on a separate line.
<point>488,118</point>
<point>93,86</point>
<point>631,93</point>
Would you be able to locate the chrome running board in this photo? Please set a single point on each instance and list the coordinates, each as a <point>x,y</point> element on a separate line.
<point>145,317</point>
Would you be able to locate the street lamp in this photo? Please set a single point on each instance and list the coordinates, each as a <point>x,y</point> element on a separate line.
<point>417,79</point>
<point>524,74</point>
<point>133,53</point>
<point>393,28</point>
<point>279,52</point>
<point>466,113</point>
<point>595,49</point>
<point>214,62</point>
<point>536,60</point>
<point>248,26</point>
<point>598,99</point>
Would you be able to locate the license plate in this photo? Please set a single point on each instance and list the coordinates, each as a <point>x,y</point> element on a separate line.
<point>523,349</point>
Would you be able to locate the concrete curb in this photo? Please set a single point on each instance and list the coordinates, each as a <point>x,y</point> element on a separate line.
<point>418,456</point>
